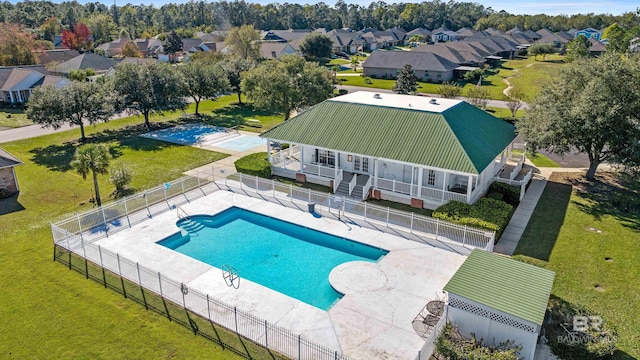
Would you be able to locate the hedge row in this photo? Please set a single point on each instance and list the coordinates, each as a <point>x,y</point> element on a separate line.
<point>510,193</point>
<point>489,214</point>
<point>254,164</point>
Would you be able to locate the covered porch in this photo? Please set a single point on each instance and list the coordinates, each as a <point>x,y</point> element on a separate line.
<point>359,176</point>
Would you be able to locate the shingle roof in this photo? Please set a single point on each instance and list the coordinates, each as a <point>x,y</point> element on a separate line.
<point>507,285</point>
<point>86,61</point>
<point>8,160</point>
<point>267,49</point>
<point>460,138</point>
<point>57,55</point>
<point>18,75</point>
<point>422,61</point>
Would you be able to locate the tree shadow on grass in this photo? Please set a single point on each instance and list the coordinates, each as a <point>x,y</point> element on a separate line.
<point>234,115</point>
<point>610,195</point>
<point>544,226</point>
<point>10,205</point>
<point>58,157</point>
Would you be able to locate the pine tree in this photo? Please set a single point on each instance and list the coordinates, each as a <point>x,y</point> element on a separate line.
<point>407,82</point>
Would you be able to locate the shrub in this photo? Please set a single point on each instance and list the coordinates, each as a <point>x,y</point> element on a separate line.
<point>510,193</point>
<point>120,176</point>
<point>531,261</point>
<point>488,214</point>
<point>284,146</point>
<point>254,164</point>
<point>452,346</point>
<point>343,92</point>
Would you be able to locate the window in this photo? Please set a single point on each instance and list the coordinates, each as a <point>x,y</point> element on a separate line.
<point>431,178</point>
<point>365,165</point>
<point>356,163</point>
<point>326,157</point>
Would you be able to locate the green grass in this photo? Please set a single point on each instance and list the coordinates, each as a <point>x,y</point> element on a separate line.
<point>573,231</point>
<point>338,61</point>
<point>45,304</point>
<point>539,160</point>
<point>503,113</point>
<point>305,185</point>
<point>534,73</point>
<point>18,118</point>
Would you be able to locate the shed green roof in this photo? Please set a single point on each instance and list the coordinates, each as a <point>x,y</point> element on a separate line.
<point>461,138</point>
<point>504,284</point>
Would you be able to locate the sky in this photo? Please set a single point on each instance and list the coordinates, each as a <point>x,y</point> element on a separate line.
<point>549,7</point>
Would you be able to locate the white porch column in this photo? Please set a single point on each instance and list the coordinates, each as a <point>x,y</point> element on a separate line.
<point>375,173</point>
<point>469,184</point>
<point>444,184</point>
<point>269,151</point>
<point>335,165</point>
<point>11,96</point>
<point>19,96</point>
<point>413,173</point>
<point>301,156</point>
<point>420,174</point>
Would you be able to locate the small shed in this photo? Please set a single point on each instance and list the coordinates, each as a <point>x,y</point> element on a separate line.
<point>8,180</point>
<point>499,299</point>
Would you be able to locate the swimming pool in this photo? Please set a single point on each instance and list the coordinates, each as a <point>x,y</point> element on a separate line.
<point>282,256</point>
<point>206,135</point>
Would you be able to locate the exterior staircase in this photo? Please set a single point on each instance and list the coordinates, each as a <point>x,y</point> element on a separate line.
<point>343,187</point>
<point>190,227</point>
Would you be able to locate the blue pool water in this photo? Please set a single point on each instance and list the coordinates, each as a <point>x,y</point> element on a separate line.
<point>243,143</point>
<point>188,134</point>
<point>285,257</point>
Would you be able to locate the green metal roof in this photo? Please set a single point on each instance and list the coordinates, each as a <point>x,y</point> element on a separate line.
<point>511,286</point>
<point>462,138</point>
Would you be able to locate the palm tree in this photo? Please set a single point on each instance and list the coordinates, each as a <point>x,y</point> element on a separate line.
<point>94,158</point>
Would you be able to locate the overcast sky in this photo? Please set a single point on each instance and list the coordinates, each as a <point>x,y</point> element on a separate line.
<point>550,7</point>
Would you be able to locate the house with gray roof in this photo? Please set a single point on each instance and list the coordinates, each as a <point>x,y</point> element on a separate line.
<point>426,65</point>
<point>508,305</point>
<point>456,52</point>
<point>56,55</point>
<point>274,50</point>
<point>85,61</point>
<point>17,83</point>
<point>444,34</point>
<point>8,179</point>
<point>410,149</point>
<point>425,34</point>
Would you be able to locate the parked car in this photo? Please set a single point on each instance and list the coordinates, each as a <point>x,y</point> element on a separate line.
<point>343,55</point>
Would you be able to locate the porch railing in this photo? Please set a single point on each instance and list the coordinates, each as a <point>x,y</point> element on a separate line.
<point>395,186</point>
<point>352,183</point>
<point>318,170</point>
<point>517,169</point>
<point>337,180</point>
<point>522,183</point>
<point>365,189</point>
<point>423,192</point>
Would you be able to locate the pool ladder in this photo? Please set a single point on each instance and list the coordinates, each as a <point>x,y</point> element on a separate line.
<point>188,227</point>
<point>230,276</point>
<point>184,215</point>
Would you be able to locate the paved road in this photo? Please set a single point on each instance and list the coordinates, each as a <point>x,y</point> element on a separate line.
<point>492,103</point>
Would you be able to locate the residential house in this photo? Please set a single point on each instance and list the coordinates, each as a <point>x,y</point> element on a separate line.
<point>634,45</point>
<point>456,52</point>
<point>509,305</point>
<point>284,35</point>
<point>274,50</point>
<point>8,179</point>
<point>425,34</point>
<point>498,45</point>
<point>391,37</point>
<point>350,42</point>
<point>410,149</point>
<point>85,61</point>
<point>426,65</point>
<point>17,83</point>
<point>468,32</point>
<point>56,56</point>
<point>492,31</point>
<point>596,48</point>
<point>146,47</point>
<point>589,33</point>
<point>559,40</point>
<point>444,34</point>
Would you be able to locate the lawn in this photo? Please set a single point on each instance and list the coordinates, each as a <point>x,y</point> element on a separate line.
<point>539,160</point>
<point>534,73</point>
<point>503,113</point>
<point>588,234</point>
<point>17,119</point>
<point>51,312</point>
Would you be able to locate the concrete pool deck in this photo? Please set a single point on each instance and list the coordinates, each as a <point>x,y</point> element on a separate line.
<point>372,320</point>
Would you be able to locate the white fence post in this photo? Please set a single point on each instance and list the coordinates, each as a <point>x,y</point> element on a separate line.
<point>388,216</point>
<point>411,226</point>
<point>126,211</point>
<point>240,181</point>
<point>464,235</point>
<point>79,225</point>
<point>365,210</point>
<point>309,195</point>
<point>104,218</point>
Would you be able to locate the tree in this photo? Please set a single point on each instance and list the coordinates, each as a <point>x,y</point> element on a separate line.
<point>148,88</point>
<point>416,39</point>
<point>478,96</point>
<point>15,46</point>
<point>316,46</point>
<point>50,28</point>
<point>244,42</point>
<point>101,26</point>
<point>130,50</point>
<point>78,39</point>
<point>354,63</point>
<point>204,81</point>
<point>577,49</point>
<point>287,84</point>
<point>449,90</point>
<point>172,45</point>
<point>94,159</point>
<point>207,57</point>
<point>541,49</point>
<point>75,104</point>
<point>592,106</point>
<point>407,82</point>
<point>515,100</point>
<point>234,67</point>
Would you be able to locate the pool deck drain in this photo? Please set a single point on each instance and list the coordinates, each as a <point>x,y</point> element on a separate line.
<point>372,320</point>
